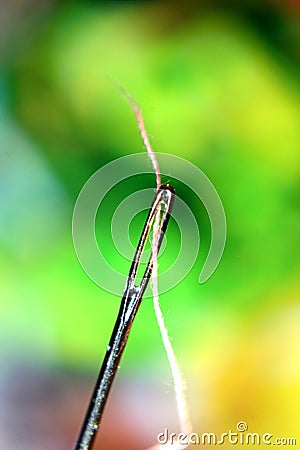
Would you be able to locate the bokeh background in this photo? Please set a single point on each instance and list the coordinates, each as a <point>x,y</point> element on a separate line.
<point>218,83</point>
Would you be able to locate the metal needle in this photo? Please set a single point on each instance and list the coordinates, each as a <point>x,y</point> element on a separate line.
<point>130,303</point>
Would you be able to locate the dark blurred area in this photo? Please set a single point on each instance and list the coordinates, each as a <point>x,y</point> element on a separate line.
<point>218,83</point>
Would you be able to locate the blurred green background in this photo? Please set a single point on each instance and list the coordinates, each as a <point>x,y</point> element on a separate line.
<point>218,83</point>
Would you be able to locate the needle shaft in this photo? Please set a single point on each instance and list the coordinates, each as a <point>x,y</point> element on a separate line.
<point>130,303</point>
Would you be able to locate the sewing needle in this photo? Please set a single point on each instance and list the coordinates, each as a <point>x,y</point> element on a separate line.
<point>131,300</point>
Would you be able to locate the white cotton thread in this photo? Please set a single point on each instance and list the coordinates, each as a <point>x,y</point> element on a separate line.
<point>178,379</point>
